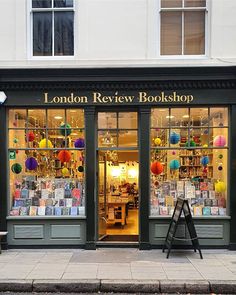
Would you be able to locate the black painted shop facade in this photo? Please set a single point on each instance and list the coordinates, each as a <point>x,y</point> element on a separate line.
<point>112,90</point>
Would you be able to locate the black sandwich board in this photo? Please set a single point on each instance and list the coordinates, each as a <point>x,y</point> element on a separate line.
<point>181,206</point>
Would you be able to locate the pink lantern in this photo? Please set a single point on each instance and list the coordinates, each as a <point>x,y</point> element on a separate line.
<point>219,141</point>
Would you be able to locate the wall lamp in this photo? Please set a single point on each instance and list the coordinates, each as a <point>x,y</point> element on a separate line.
<point>3,97</point>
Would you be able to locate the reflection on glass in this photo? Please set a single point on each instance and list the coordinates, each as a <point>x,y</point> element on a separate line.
<point>41,3</point>
<point>36,118</point>
<point>17,118</point>
<point>75,117</point>
<point>171,3</point>
<point>56,118</point>
<point>127,120</point>
<point>127,138</point>
<point>179,117</point>
<point>199,117</point>
<point>218,117</point>
<point>107,120</point>
<point>63,3</point>
<point>195,3</point>
<point>159,118</point>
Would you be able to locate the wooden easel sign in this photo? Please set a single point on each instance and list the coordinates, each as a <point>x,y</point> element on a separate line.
<point>181,206</point>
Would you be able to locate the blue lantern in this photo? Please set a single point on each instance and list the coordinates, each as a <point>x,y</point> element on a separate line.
<point>174,138</point>
<point>205,160</point>
<point>174,164</point>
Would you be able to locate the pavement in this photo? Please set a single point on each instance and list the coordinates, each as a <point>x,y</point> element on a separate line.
<point>121,270</point>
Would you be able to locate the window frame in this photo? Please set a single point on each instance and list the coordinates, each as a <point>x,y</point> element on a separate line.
<point>183,9</point>
<point>31,10</point>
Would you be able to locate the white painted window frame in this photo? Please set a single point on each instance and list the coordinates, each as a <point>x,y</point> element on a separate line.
<point>30,11</point>
<point>154,31</point>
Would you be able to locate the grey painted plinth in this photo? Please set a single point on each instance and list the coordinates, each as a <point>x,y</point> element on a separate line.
<point>16,285</point>
<point>68,286</point>
<point>130,286</point>
<point>223,287</point>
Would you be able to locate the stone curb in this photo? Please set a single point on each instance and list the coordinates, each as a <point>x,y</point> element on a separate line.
<point>68,286</point>
<point>16,285</point>
<point>223,287</point>
<point>121,286</point>
<point>130,286</point>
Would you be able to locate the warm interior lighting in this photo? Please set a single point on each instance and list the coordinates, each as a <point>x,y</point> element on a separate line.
<point>132,173</point>
<point>115,171</point>
<point>58,117</point>
<point>170,117</point>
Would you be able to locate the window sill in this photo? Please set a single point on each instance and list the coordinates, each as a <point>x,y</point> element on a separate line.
<point>211,217</point>
<point>44,217</point>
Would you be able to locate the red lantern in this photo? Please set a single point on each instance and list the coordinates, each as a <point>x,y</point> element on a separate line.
<point>30,136</point>
<point>157,168</point>
<point>64,156</point>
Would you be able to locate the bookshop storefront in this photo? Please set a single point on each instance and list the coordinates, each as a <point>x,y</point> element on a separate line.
<point>91,160</point>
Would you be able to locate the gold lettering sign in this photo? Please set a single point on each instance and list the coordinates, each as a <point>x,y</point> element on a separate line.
<point>98,98</point>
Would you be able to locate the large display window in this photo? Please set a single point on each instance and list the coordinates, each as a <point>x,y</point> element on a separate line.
<point>46,162</point>
<point>189,155</point>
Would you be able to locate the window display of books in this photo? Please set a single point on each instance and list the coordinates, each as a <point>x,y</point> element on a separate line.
<point>48,197</point>
<point>202,196</point>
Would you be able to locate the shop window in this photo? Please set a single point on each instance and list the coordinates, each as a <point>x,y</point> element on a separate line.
<point>182,30</point>
<point>189,156</point>
<point>53,27</point>
<point>118,129</point>
<point>46,162</point>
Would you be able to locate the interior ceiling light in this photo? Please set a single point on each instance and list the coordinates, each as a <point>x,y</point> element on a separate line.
<point>170,117</point>
<point>58,117</point>
<point>185,116</point>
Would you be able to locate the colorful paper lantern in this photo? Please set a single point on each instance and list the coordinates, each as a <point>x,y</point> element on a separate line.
<point>191,143</point>
<point>174,138</point>
<point>65,129</point>
<point>174,164</point>
<point>45,144</point>
<point>174,152</point>
<point>15,140</point>
<point>157,141</point>
<point>65,171</point>
<point>16,168</point>
<point>79,143</point>
<point>219,141</point>
<point>157,168</point>
<point>205,145</point>
<point>31,163</point>
<point>220,168</point>
<point>220,187</point>
<point>64,156</point>
<point>205,160</point>
<point>81,169</point>
<point>30,136</point>
<point>220,156</point>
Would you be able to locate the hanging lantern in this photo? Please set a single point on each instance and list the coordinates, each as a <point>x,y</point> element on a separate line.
<point>220,156</point>
<point>81,169</point>
<point>220,168</point>
<point>219,141</point>
<point>157,168</point>
<point>31,163</point>
<point>79,143</point>
<point>220,186</point>
<point>65,129</point>
<point>16,168</point>
<point>157,141</point>
<point>190,143</point>
<point>205,160</point>
<point>45,144</point>
<point>30,136</point>
<point>65,171</point>
<point>174,138</point>
<point>64,156</point>
<point>174,164</point>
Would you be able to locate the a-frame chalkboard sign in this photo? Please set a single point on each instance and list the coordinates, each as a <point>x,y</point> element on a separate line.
<point>181,206</point>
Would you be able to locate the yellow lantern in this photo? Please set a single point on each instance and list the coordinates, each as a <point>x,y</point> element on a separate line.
<point>43,144</point>
<point>220,187</point>
<point>157,141</point>
<point>65,171</point>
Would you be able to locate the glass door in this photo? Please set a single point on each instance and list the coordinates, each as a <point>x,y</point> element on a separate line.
<point>118,177</point>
